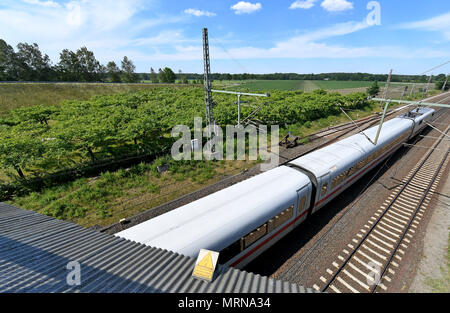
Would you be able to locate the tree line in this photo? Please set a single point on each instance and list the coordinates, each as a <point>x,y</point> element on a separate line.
<point>28,63</point>
<point>322,76</point>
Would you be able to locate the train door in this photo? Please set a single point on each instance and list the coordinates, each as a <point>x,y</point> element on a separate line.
<point>303,196</point>
<point>323,190</point>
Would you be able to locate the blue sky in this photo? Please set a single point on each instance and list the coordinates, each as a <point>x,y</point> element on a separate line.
<point>255,36</point>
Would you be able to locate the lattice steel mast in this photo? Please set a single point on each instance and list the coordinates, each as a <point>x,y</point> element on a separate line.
<point>207,81</point>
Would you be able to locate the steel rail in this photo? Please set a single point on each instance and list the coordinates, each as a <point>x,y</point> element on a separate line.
<point>317,243</point>
<point>348,258</point>
<point>386,266</point>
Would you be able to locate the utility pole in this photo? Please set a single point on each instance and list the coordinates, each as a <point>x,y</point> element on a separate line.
<point>207,82</point>
<point>239,94</point>
<point>388,82</point>
<point>428,86</point>
<point>445,83</point>
<point>384,99</point>
<point>209,104</point>
<point>404,92</point>
<point>412,89</point>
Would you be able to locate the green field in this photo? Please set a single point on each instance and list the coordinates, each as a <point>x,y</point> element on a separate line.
<point>344,87</point>
<point>335,85</point>
<point>291,85</point>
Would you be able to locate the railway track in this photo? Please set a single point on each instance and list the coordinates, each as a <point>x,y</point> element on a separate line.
<point>351,125</point>
<point>370,261</point>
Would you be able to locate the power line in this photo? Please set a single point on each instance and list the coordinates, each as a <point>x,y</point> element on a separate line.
<point>436,67</point>
<point>217,42</point>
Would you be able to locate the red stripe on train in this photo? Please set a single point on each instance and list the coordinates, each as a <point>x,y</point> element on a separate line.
<point>316,204</point>
<point>268,239</point>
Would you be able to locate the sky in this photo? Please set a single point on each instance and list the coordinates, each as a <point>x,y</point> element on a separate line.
<point>262,36</point>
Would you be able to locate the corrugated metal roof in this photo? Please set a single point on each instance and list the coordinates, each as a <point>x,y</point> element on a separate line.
<point>35,251</point>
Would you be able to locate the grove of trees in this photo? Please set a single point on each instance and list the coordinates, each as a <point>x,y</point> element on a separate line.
<point>28,63</point>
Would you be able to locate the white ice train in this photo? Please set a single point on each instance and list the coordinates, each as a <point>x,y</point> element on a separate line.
<point>244,220</point>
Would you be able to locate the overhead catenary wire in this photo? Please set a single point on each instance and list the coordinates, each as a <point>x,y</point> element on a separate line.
<point>438,130</point>
<point>232,58</point>
<point>434,68</point>
<point>358,199</point>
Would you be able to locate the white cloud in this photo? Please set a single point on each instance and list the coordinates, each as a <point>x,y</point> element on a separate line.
<point>440,23</point>
<point>48,3</point>
<point>310,45</point>
<point>246,7</point>
<point>302,4</point>
<point>108,27</point>
<point>113,28</point>
<point>333,31</point>
<point>73,17</point>
<point>199,13</point>
<point>170,37</point>
<point>337,5</point>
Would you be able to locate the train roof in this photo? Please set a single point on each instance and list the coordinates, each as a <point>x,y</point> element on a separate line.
<point>350,150</point>
<point>215,221</point>
<point>418,113</point>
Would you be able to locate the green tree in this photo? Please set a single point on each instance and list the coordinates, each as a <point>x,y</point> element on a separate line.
<point>86,133</point>
<point>80,66</point>
<point>440,84</point>
<point>161,77</point>
<point>153,76</point>
<point>90,69</point>
<point>19,150</point>
<point>32,64</point>
<point>374,89</point>
<point>39,113</point>
<point>167,76</point>
<point>113,72</point>
<point>68,66</point>
<point>8,61</point>
<point>128,68</point>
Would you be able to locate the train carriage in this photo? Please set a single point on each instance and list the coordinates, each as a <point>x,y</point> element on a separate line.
<point>245,219</point>
<point>334,168</point>
<point>233,220</point>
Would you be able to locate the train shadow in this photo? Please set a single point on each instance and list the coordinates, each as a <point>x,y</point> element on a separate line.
<point>272,260</point>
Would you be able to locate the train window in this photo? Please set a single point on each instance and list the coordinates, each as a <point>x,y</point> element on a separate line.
<point>301,205</point>
<point>230,252</point>
<point>360,164</point>
<point>240,245</point>
<point>335,182</point>
<point>252,237</point>
<point>338,180</point>
<point>280,218</point>
<point>352,171</point>
<point>349,172</point>
<point>324,189</point>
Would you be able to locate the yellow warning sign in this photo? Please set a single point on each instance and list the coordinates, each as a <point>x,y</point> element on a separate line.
<point>205,265</point>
